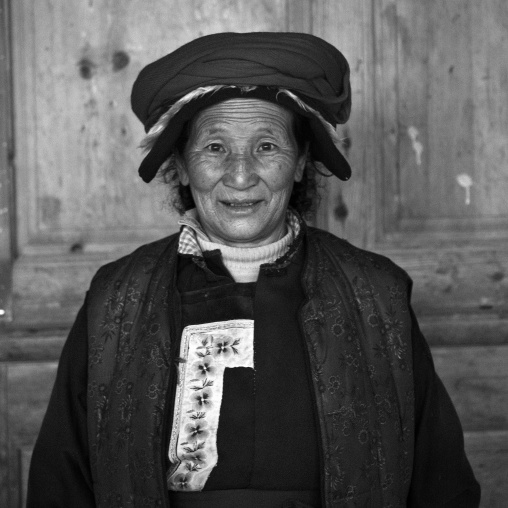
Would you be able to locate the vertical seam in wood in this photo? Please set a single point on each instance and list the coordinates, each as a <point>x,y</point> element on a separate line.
<point>4,437</point>
<point>7,229</point>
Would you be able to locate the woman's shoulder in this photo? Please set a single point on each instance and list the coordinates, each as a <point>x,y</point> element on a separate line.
<point>143,259</point>
<point>346,253</point>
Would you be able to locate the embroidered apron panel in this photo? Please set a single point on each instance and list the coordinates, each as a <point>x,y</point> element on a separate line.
<point>206,350</point>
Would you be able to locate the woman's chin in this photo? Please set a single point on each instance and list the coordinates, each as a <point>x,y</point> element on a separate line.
<point>245,235</point>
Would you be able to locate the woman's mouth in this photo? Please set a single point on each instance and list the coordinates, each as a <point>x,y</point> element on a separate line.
<point>240,204</point>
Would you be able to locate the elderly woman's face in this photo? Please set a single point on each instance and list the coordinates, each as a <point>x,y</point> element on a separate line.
<point>241,161</point>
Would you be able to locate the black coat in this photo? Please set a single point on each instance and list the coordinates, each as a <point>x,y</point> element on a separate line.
<point>358,327</point>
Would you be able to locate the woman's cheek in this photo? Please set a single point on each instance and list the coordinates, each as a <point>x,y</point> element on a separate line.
<point>205,174</point>
<point>282,173</point>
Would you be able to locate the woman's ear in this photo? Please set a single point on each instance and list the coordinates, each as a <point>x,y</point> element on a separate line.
<point>181,169</point>
<point>301,162</point>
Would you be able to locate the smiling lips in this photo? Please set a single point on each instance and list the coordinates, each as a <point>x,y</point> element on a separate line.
<point>240,204</point>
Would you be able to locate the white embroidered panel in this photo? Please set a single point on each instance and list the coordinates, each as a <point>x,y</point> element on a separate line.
<point>207,349</point>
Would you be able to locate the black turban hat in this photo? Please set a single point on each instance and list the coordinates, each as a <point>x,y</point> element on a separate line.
<point>305,65</point>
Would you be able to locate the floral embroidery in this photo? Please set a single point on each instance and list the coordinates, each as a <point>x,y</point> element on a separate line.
<point>95,351</point>
<point>202,400</point>
<point>334,384</point>
<point>153,391</point>
<point>182,481</point>
<point>208,350</point>
<point>204,368</point>
<point>397,296</point>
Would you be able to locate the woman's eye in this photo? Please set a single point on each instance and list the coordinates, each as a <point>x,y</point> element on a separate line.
<point>266,147</point>
<point>215,147</point>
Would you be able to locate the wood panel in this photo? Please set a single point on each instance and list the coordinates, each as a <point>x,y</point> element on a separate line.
<point>49,290</point>
<point>439,117</point>
<point>76,155</point>
<point>477,380</point>
<point>387,140</point>
<point>32,345</point>
<point>442,111</point>
<point>347,207</point>
<point>459,329</point>
<point>456,280</point>
<point>448,80</point>
<point>6,187</point>
<point>24,457</point>
<point>4,438</point>
<point>490,91</point>
<point>26,389</point>
<point>488,454</point>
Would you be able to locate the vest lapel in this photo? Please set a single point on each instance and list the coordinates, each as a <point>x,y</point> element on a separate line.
<point>358,331</point>
<point>129,367</point>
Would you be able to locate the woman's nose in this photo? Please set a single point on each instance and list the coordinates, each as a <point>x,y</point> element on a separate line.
<point>240,171</point>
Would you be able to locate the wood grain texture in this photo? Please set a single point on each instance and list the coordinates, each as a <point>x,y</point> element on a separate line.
<point>460,329</point>
<point>76,156</point>
<point>387,139</point>
<point>347,207</point>
<point>456,281</point>
<point>49,291</point>
<point>477,380</point>
<point>448,79</point>
<point>490,91</point>
<point>24,458</point>
<point>4,437</point>
<point>442,113</point>
<point>32,346</point>
<point>488,454</point>
<point>6,181</point>
<point>299,16</point>
<point>407,183</point>
<point>29,388</point>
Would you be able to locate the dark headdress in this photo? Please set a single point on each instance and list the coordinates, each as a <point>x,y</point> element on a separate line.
<point>259,65</point>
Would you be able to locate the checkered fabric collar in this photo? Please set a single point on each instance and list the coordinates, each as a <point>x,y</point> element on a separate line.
<point>191,229</point>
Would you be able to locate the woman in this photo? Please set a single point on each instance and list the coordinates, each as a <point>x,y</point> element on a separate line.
<point>248,360</point>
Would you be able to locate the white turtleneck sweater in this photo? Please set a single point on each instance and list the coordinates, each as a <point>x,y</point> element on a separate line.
<point>243,263</point>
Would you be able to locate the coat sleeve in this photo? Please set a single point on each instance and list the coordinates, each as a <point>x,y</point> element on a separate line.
<point>60,473</point>
<point>442,475</point>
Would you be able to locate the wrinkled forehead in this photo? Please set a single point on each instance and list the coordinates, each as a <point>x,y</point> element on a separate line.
<point>248,113</point>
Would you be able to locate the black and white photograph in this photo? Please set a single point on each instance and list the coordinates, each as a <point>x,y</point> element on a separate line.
<point>253,254</point>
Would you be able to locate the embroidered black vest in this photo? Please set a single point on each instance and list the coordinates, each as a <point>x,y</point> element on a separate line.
<point>357,329</point>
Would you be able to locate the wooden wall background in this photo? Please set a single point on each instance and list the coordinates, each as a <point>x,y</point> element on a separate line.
<point>427,141</point>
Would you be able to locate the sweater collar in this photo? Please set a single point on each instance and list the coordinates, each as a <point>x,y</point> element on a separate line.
<point>191,232</point>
